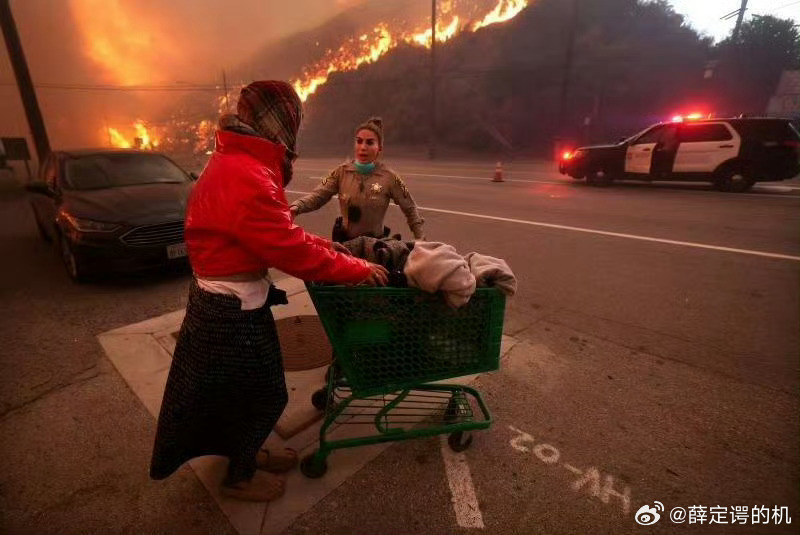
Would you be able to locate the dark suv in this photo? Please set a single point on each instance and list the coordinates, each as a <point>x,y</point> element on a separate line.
<point>733,154</point>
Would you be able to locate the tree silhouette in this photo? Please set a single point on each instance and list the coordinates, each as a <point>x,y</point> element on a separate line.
<point>751,65</point>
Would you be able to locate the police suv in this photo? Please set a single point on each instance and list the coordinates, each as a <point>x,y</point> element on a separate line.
<point>732,154</point>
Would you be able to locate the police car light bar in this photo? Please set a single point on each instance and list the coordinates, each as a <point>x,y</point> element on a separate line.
<point>690,117</point>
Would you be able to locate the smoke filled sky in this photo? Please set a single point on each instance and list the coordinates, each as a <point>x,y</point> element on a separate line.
<point>135,42</point>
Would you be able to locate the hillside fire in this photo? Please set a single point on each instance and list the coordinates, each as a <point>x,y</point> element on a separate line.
<point>368,47</point>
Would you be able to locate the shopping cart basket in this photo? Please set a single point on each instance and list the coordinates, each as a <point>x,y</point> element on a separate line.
<point>390,347</point>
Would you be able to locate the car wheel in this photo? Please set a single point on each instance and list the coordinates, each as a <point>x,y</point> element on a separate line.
<point>733,179</point>
<point>598,177</point>
<point>72,263</point>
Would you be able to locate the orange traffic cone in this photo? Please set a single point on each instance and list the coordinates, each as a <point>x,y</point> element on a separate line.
<point>498,173</point>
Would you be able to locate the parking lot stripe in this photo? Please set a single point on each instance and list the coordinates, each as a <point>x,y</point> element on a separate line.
<point>459,478</point>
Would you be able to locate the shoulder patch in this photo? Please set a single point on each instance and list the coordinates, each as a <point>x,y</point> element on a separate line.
<point>333,174</point>
<point>402,185</point>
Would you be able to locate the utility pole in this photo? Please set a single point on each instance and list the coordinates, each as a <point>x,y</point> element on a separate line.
<point>432,140</point>
<point>225,88</point>
<point>739,19</point>
<point>26,91</point>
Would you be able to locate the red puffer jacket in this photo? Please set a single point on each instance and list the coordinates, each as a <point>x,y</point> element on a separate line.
<point>238,220</point>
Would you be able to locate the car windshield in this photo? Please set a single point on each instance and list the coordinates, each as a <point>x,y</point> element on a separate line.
<point>100,171</point>
<point>630,139</point>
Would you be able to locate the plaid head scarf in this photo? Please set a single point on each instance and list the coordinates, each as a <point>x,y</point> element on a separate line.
<point>274,110</point>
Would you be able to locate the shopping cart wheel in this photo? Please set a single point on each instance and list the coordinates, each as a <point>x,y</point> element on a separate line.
<point>311,467</point>
<point>458,442</point>
<point>320,399</point>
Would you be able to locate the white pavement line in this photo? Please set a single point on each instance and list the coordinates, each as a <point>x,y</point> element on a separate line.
<point>568,182</point>
<point>488,178</point>
<point>482,179</point>
<point>617,234</point>
<point>759,185</point>
<point>605,233</point>
<point>465,503</point>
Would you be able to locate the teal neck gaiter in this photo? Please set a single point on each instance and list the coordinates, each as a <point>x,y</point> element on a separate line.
<point>364,168</point>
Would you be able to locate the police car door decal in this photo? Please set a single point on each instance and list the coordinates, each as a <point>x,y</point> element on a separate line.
<point>639,157</point>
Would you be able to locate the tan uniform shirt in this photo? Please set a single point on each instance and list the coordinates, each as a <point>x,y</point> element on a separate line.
<point>363,199</point>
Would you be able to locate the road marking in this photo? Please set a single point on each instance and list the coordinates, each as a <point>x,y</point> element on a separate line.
<point>776,188</point>
<point>617,234</point>
<point>589,478</point>
<point>572,469</point>
<point>546,453</point>
<point>604,492</point>
<point>603,232</point>
<point>482,179</point>
<point>570,182</point>
<point>459,478</point>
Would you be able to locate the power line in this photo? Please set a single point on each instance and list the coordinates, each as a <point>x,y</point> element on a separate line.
<point>786,5</point>
<point>730,15</point>
<point>91,87</point>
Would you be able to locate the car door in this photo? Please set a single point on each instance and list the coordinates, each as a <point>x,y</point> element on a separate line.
<point>704,146</point>
<point>639,154</point>
<point>665,152</point>
<point>43,199</point>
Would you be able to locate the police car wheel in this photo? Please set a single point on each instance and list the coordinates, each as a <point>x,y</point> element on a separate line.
<point>733,180</point>
<point>598,177</point>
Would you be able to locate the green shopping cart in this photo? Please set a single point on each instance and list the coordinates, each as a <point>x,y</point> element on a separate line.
<point>392,347</point>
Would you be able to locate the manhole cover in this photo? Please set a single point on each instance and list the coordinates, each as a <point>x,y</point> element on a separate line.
<point>304,343</point>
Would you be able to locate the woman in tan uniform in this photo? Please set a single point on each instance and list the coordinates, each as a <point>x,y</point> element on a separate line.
<point>365,186</point>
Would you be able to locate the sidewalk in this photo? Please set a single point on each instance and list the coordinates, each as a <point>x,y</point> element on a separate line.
<point>142,354</point>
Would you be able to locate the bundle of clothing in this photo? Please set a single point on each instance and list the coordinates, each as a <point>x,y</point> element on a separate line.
<point>435,267</point>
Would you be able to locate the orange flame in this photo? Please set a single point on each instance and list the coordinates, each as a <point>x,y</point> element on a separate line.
<point>370,46</point>
<point>141,140</point>
<point>117,139</point>
<point>366,48</point>
<point>503,11</point>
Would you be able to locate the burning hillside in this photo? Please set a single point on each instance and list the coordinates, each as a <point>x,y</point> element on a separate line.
<point>371,45</point>
<point>352,51</point>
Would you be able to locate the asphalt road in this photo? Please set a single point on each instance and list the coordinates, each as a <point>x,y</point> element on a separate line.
<point>657,359</point>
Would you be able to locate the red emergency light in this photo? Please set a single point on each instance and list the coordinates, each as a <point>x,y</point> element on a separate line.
<point>689,117</point>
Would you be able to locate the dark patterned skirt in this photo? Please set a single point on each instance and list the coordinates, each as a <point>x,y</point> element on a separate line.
<point>226,387</point>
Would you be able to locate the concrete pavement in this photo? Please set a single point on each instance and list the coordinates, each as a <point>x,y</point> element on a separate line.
<point>141,353</point>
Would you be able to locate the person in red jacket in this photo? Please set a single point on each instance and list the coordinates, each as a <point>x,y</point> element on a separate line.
<point>226,387</point>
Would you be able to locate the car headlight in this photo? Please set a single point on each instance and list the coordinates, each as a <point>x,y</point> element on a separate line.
<point>87,225</point>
